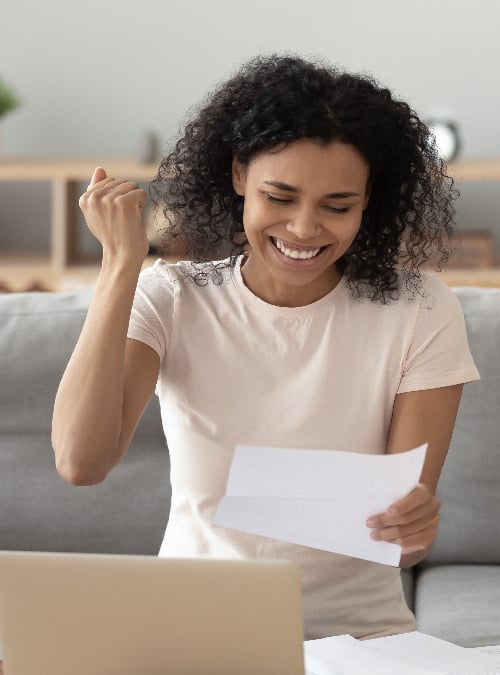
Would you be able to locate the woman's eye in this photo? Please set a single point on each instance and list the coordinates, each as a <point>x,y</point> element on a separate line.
<point>283,200</point>
<point>277,200</point>
<point>343,209</point>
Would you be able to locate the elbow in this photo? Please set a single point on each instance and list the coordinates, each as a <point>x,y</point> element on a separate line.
<point>77,477</point>
<point>77,472</point>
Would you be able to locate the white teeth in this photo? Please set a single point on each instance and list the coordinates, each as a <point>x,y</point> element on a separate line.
<point>294,253</point>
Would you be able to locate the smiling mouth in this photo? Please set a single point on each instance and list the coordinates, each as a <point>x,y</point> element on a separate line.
<point>296,253</point>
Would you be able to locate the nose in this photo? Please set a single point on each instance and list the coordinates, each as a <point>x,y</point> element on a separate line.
<point>304,224</point>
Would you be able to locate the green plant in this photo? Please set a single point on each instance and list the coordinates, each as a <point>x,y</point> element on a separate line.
<point>8,99</point>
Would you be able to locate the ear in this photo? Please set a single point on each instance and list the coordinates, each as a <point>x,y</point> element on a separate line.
<point>239,172</point>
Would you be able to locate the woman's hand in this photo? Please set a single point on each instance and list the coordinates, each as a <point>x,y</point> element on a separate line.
<point>112,210</point>
<point>412,522</point>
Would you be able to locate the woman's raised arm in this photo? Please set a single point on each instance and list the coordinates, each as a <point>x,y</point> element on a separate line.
<point>109,379</point>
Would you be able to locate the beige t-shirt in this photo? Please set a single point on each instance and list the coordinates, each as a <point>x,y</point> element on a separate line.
<point>236,370</point>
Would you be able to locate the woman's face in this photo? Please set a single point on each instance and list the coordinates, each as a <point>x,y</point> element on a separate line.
<point>303,205</point>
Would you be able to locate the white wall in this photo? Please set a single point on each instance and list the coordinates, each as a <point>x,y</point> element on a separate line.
<point>95,76</point>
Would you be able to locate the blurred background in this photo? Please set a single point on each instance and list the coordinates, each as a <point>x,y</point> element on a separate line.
<point>99,80</point>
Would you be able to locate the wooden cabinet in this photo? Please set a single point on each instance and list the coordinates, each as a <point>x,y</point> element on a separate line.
<point>64,262</point>
<point>479,170</point>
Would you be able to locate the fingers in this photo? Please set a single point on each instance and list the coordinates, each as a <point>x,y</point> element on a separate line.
<point>98,175</point>
<point>406,535</point>
<point>406,509</point>
<point>419,495</point>
<point>112,190</point>
<point>411,522</point>
<point>112,209</point>
<point>100,180</point>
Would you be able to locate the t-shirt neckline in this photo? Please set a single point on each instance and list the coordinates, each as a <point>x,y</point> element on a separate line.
<point>304,310</point>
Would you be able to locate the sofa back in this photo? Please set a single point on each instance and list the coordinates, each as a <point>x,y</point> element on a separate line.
<point>38,332</point>
<point>127,513</point>
<point>470,482</point>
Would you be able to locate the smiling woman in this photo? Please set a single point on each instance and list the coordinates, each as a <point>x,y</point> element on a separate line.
<point>303,206</point>
<point>308,198</point>
<point>273,102</point>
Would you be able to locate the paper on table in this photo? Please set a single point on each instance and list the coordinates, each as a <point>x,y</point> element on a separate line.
<point>490,649</point>
<point>317,498</point>
<point>344,655</point>
<point>436,655</point>
<point>412,653</point>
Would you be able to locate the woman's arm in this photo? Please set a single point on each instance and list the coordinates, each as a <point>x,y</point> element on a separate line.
<point>109,379</point>
<point>418,417</point>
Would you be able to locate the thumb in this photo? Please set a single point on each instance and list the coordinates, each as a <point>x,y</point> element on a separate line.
<point>98,175</point>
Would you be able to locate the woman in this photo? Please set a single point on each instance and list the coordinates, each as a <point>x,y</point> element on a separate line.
<point>318,329</point>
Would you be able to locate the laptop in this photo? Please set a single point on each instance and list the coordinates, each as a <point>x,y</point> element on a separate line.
<point>93,614</point>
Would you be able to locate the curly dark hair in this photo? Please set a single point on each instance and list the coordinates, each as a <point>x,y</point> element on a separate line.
<point>278,99</point>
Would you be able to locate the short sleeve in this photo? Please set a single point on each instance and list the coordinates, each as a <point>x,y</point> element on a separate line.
<point>439,354</point>
<point>153,308</point>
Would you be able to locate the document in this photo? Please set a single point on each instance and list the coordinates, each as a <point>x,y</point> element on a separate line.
<point>412,653</point>
<point>344,655</point>
<point>317,498</point>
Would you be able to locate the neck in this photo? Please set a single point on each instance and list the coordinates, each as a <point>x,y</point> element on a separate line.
<point>272,291</point>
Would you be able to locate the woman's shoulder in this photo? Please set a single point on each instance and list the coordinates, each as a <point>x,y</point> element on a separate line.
<point>201,273</point>
<point>422,291</point>
<point>435,293</point>
<point>427,301</point>
<point>160,270</point>
<point>184,279</point>
<point>410,292</point>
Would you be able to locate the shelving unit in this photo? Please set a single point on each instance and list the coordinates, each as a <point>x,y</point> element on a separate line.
<point>64,266</point>
<point>64,175</point>
<point>476,169</point>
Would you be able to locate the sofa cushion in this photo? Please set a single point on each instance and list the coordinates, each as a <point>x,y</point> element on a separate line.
<point>459,603</point>
<point>38,333</point>
<point>469,484</point>
<point>127,513</point>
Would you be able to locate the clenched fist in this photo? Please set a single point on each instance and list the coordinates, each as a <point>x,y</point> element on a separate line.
<point>113,212</point>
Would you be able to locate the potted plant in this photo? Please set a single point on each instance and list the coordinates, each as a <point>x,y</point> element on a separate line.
<point>8,99</point>
<point>8,102</point>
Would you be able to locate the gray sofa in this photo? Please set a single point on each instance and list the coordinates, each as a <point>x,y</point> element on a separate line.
<point>455,593</point>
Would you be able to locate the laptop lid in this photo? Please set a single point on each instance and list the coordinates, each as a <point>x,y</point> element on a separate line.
<point>66,613</point>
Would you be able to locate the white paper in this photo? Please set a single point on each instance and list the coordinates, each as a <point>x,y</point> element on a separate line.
<point>490,649</point>
<point>436,655</point>
<point>317,498</point>
<point>412,653</point>
<point>344,655</point>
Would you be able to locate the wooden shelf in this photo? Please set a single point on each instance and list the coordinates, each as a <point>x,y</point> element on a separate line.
<point>64,174</point>
<point>487,169</point>
<point>81,168</point>
<point>486,277</point>
<point>21,272</point>
<point>72,168</point>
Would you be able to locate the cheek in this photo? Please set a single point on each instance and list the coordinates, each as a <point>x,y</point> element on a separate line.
<point>255,217</point>
<point>351,229</point>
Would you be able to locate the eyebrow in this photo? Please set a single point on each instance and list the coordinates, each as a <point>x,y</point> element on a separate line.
<point>290,188</point>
